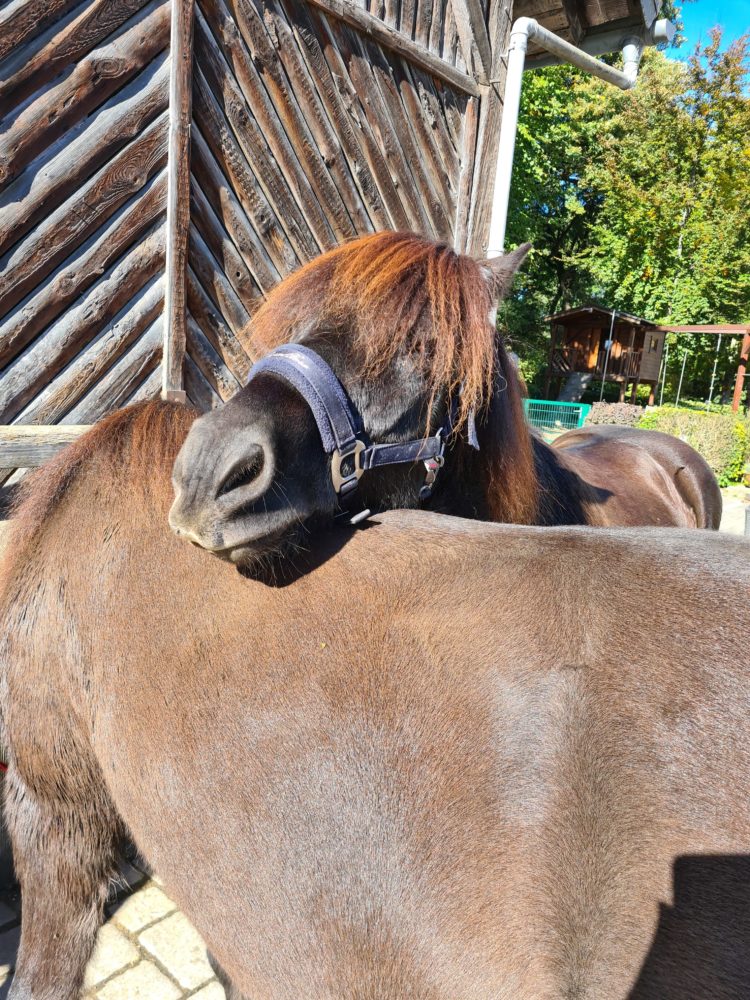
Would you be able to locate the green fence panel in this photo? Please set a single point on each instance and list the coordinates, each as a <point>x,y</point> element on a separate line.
<point>551,417</point>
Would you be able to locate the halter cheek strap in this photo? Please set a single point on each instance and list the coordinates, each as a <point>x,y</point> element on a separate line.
<point>340,426</point>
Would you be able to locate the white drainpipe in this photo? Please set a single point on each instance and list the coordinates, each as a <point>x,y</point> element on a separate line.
<point>526,28</point>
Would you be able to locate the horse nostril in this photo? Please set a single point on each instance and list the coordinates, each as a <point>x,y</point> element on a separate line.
<point>243,474</point>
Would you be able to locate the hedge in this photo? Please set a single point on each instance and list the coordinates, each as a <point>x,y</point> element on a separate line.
<point>722,438</point>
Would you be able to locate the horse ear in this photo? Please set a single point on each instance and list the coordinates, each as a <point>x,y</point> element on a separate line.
<point>501,270</point>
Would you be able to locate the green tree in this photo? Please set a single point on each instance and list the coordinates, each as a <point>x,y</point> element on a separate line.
<point>637,199</point>
<point>670,239</point>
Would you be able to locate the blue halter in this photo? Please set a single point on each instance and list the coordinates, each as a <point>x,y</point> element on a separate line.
<point>340,426</point>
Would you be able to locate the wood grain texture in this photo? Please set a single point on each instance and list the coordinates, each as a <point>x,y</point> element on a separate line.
<point>57,399</point>
<point>95,22</point>
<point>371,154</point>
<point>308,233</point>
<point>73,277</point>
<point>199,391</point>
<point>472,33</point>
<point>178,193</point>
<point>124,117</point>
<point>215,282</point>
<point>232,162</point>
<point>339,117</point>
<point>216,373</point>
<point>235,351</point>
<point>372,27</point>
<point>65,229</point>
<point>23,447</point>
<point>348,211</point>
<point>225,35</point>
<point>226,206</point>
<point>89,84</point>
<point>222,248</point>
<point>122,379</point>
<point>22,19</point>
<point>490,115</point>
<point>33,369</point>
<point>284,78</point>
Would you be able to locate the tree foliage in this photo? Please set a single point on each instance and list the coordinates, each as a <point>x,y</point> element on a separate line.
<point>638,199</point>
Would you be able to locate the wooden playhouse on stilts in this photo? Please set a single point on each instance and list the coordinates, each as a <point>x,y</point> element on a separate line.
<point>164,164</point>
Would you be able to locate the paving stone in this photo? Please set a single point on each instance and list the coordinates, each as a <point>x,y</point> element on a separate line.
<point>8,948</point>
<point>214,991</point>
<point>144,907</point>
<point>178,947</point>
<point>113,952</point>
<point>142,982</point>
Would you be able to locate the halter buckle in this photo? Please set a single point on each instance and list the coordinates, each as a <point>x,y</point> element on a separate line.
<point>432,466</point>
<point>345,483</point>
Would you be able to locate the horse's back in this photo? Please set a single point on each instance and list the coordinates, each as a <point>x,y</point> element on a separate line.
<point>468,775</point>
<point>455,760</point>
<point>679,487</point>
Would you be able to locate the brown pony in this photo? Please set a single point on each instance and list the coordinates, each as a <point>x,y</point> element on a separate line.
<point>407,325</point>
<point>455,761</point>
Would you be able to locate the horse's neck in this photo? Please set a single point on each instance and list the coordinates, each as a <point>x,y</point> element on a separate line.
<point>468,488</point>
<point>562,494</point>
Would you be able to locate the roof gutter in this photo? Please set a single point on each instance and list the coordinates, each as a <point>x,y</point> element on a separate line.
<point>526,29</point>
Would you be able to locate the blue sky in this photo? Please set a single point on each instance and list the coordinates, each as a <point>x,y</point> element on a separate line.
<point>701,15</point>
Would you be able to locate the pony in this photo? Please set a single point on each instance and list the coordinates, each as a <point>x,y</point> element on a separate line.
<point>408,327</point>
<point>454,760</point>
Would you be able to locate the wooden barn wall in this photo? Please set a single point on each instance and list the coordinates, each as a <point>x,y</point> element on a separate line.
<point>310,128</point>
<point>83,150</point>
<point>312,121</point>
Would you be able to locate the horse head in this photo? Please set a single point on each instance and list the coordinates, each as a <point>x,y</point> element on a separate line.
<point>404,330</point>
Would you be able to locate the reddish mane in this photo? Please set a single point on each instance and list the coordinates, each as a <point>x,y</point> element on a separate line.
<point>134,448</point>
<point>402,293</point>
<point>378,288</point>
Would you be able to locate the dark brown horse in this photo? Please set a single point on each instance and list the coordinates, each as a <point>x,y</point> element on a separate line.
<point>455,761</point>
<point>406,324</point>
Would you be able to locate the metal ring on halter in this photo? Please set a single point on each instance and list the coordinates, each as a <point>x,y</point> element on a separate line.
<point>345,483</point>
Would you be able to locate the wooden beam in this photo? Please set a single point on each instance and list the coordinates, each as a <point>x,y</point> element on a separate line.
<point>24,446</point>
<point>739,383</point>
<point>490,116</point>
<point>178,198</point>
<point>574,15</point>
<point>732,329</point>
<point>380,32</point>
<point>98,19</point>
<point>473,36</point>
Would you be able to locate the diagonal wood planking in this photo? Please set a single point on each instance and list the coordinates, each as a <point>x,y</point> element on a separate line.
<point>83,154</point>
<point>310,128</point>
<point>313,121</point>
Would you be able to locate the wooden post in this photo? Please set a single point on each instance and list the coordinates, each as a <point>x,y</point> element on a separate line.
<point>490,114</point>
<point>178,199</point>
<point>741,372</point>
<point>652,394</point>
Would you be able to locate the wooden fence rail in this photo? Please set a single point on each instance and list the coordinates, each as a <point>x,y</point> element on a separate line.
<point>28,446</point>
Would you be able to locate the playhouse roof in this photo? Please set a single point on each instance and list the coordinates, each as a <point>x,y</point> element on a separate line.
<point>598,312</point>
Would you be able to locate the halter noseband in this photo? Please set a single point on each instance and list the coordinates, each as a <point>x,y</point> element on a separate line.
<point>340,426</point>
